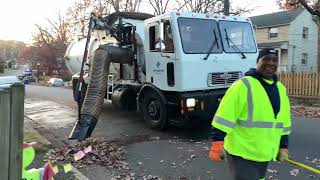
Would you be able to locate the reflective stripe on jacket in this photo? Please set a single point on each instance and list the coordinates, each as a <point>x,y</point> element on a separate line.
<point>246,115</point>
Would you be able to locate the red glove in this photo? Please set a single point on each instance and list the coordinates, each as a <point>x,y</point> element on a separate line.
<point>216,152</point>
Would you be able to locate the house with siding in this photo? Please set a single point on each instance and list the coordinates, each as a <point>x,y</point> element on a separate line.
<point>294,34</point>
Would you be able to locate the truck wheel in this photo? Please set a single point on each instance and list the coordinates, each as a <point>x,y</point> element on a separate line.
<point>154,111</point>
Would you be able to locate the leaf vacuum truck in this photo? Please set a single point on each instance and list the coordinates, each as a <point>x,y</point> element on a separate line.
<point>171,68</point>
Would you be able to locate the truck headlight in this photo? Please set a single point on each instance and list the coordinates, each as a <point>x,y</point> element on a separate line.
<point>191,102</point>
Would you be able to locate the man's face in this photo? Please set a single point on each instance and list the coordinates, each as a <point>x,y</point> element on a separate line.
<point>267,66</point>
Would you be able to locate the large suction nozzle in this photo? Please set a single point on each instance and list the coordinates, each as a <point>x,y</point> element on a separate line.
<point>96,91</point>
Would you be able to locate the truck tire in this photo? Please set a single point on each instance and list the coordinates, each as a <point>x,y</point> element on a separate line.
<point>154,111</point>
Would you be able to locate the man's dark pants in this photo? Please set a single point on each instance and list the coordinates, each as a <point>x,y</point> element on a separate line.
<point>242,169</point>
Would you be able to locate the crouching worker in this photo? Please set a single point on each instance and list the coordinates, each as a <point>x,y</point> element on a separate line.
<point>252,123</point>
<point>44,173</point>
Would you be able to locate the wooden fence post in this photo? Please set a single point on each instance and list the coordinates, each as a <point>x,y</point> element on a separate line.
<point>4,133</point>
<point>11,131</point>
<point>17,120</point>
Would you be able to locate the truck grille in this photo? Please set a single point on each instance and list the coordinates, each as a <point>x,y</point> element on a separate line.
<point>223,79</point>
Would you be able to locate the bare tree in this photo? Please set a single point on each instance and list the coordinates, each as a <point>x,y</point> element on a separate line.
<point>313,6</point>
<point>50,41</point>
<point>79,13</point>
<point>125,5</point>
<point>159,6</point>
<point>133,5</point>
<point>209,6</point>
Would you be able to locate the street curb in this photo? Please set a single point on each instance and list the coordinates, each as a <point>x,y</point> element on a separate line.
<point>31,129</point>
<point>74,170</point>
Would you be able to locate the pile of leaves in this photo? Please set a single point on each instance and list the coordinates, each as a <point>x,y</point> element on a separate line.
<point>133,176</point>
<point>103,153</point>
<point>305,111</point>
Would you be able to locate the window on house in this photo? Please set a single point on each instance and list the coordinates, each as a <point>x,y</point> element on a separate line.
<point>305,32</point>
<point>304,59</point>
<point>273,33</point>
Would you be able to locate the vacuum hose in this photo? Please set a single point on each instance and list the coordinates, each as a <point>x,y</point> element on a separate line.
<point>96,91</point>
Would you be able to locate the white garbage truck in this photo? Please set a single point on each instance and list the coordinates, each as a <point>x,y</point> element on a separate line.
<point>172,67</point>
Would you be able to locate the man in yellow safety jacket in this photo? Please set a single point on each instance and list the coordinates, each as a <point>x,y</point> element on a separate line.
<point>252,123</point>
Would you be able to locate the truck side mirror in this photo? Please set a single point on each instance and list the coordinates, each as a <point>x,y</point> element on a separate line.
<point>159,46</point>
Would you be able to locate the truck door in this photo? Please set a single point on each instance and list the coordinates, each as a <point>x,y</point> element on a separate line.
<point>161,56</point>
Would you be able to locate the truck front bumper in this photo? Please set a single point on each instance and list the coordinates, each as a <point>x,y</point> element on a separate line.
<point>202,104</point>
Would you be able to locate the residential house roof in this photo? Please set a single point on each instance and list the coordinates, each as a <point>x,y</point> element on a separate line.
<point>272,44</point>
<point>274,19</point>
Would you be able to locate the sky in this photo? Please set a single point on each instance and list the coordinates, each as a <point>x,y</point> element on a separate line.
<point>18,17</point>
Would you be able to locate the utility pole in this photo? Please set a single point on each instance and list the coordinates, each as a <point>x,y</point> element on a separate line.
<point>38,65</point>
<point>226,7</point>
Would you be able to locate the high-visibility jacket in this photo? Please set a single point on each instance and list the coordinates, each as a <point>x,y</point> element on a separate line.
<point>28,157</point>
<point>245,113</point>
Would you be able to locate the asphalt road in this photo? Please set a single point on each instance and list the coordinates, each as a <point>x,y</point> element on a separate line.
<point>177,153</point>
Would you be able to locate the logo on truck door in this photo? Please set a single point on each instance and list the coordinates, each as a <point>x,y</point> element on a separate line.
<point>158,70</point>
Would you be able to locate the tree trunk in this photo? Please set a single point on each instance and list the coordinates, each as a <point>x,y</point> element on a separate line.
<point>318,57</point>
<point>226,8</point>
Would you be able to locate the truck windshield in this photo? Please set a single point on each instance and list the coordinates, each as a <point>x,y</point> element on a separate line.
<point>197,36</point>
<point>237,37</point>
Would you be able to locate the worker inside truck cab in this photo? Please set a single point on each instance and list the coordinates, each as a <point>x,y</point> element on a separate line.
<point>168,37</point>
<point>167,42</point>
<point>159,46</point>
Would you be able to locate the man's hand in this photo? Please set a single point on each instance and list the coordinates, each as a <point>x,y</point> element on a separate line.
<point>217,152</point>
<point>283,154</point>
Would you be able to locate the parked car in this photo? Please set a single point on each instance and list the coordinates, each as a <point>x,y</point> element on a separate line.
<point>21,76</point>
<point>6,81</point>
<point>55,82</point>
<point>16,66</point>
<point>28,72</point>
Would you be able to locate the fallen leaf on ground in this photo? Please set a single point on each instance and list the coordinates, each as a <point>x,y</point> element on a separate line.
<point>206,148</point>
<point>103,153</point>
<point>294,172</point>
<point>67,168</point>
<point>305,111</point>
<point>79,155</point>
<point>272,171</point>
<point>88,149</point>
<point>55,169</point>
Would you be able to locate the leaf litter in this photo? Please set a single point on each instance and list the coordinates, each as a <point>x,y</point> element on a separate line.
<point>99,152</point>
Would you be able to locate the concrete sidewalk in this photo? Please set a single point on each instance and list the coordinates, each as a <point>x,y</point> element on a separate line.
<point>41,148</point>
